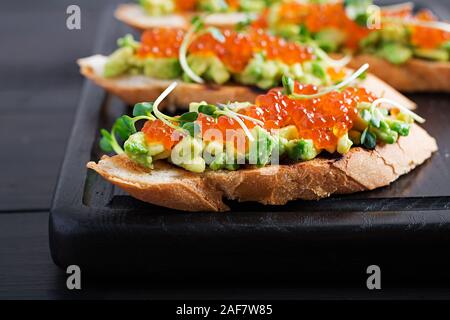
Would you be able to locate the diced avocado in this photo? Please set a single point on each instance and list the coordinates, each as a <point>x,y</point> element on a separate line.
<point>318,70</point>
<point>308,76</point>
<point>197,165</point>
<point>213,5</point>
<point>253,71</point>
<point>402,128</point>
<point>267,73</point>
<point>128,41</point>
<point>118,62</point>
<point>344,144</point>
<point>155,148</point>
<point>281,144</point>
<point>301,149</point>
<point>270,75</point>
<point>295,71</point>
<point>288,31</point>
<point>289,132</point>
<point>269,69</point>
<point>211,150</point>
<point>158,7</point>
<point>446,46</point>
<point>310,79</point>
<point>209,67</point>
<point>330,39</point>
<point>432,54</point>
<point>137,62</point>
<point>162,68</point>
<point>386,135</point>
<point>394,33</point>
<point>188,155</point>
<point>262,73</point>
<point>218,163</point>
<point>137,150</point>
<point>217,71</point>
<point>163,155</point>
<point>198,63</point>
<point>260,149</point>
<point>395,53</point>
<point>252,5</point>
<point>371,40</point>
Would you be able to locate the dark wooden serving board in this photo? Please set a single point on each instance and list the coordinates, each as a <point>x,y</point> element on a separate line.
<point>96,226</point>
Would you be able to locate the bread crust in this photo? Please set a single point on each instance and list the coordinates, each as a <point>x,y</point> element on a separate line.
<point>358,170</point>
<point>416,75</point>
<point>136,17</point>
<point>134,89</point>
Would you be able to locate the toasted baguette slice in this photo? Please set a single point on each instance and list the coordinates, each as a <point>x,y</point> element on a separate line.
<point>358,170</point>
<point>136,17</point>
<point>416,75</point>
<point>134,89</point>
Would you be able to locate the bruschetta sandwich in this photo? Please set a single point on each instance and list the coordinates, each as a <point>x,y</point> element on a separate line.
<point>148,14</point>
<point>218,65</point>
<point>295,142</point>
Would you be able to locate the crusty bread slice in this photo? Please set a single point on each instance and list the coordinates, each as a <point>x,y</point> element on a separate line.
<point>136,17</point>
<point>139,88</point>
<point>134,89</point>
<point>358,170</point>
<point>413,76</point>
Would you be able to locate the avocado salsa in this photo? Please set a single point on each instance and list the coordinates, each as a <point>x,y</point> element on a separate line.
<point>340,26</point>
<point>218,56</point>
<point>290,124</point>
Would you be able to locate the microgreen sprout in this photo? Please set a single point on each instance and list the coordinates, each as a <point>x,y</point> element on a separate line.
<point>128,41</point>
<point>238,120</point>
<point>402,108</point>
<point>328,60</point>
<point>243,116</point>
<point>327,90</point>
<point>197,26</point>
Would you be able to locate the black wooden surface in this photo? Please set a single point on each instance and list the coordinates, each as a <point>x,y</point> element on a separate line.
<point>39,91</point>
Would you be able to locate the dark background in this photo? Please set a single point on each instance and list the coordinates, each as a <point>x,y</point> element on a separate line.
<point>39,91</point>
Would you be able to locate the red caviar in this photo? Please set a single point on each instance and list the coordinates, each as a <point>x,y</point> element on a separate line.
<point>323,120</point>
<point>161,43</point>
<point>317,17</point>
<point>238,48</point>
<point>235,52</point>
<point>185,5</point>
<point>157,131</point>
<point>233,4</point>
<point>426,37</point>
